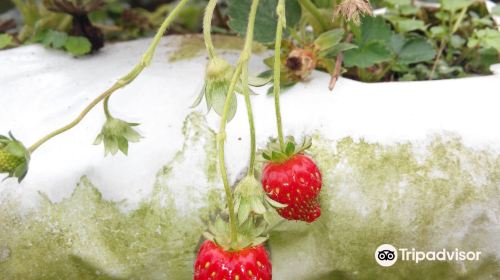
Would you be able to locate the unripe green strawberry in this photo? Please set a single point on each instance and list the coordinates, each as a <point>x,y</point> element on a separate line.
<point>14,157</point>
<point>8,162</point>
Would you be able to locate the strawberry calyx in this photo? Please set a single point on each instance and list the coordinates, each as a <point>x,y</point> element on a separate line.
<point>218,76</point>
<point>251,200</point>
<point>250,234</point>
<point>116,135</point>
<point>252,207</point>
<point>274,152</point>
<point>14,157</point>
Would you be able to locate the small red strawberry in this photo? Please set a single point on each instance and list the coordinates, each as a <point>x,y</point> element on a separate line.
<point>292,178</point>
<point>214,263</point>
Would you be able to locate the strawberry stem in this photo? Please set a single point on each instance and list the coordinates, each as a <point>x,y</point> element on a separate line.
<point>242,61</point>
<point>280,9</point>
<point>122,82</point>
<point>246,93</point>
<point>106,108</point>
<point>207,28</point>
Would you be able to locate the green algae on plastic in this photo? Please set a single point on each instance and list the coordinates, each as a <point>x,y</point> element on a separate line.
<point>442,195</point>
<point>87,237</point>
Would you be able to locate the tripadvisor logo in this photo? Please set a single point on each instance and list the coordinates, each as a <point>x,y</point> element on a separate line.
<point>387,255</point>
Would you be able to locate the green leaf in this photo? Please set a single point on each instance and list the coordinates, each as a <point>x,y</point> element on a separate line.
<point>78,45</point>
<point>5,40</point>
<point>457,41</point>
<point>409,10</point>
<point>416,50</point>
<point>54,39</point>
<point>408,77</point>
<point>439,32</point>
<point>396,43</point>
<point>488,38</point>
<point>367,55</point>
<point>329,39</point>
<point>485,59</point>
<point>333,52</point>
<point>398,2</point>
<point>455,5</point>
<point>266,19</point>
<point>407,25</point>
<point>374,29</point>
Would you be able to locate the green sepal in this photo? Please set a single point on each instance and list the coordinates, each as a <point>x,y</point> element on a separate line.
<point>218,76</point>
<point>274,203</point>
<point>116,135</point>
<point>251,206</point>
<point>250,233</point>
<point>249,199</point>
<point>14,158</point>
<point>274,152</point>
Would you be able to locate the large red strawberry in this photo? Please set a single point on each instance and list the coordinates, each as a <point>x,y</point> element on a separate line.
<point>292,178</point>
<point>214,263</point>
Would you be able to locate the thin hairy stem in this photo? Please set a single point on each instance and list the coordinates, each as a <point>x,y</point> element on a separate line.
<point>248,103</point>
<point>277,69</point>
<point>106,108</point>
<point>122,82</point>
<point>207,27</point>
<point>244,57</point>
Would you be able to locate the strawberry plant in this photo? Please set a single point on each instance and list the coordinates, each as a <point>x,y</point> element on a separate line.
<point>409,40</point>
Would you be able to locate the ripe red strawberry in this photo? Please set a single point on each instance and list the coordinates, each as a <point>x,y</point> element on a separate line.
<point>295,182</point>
<point>308,211</point>
<point>213,263</point>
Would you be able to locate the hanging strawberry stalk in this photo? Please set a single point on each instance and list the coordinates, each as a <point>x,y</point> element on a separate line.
<point>234,248</point>
<point>290,177</point>
<point>15,157</point>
